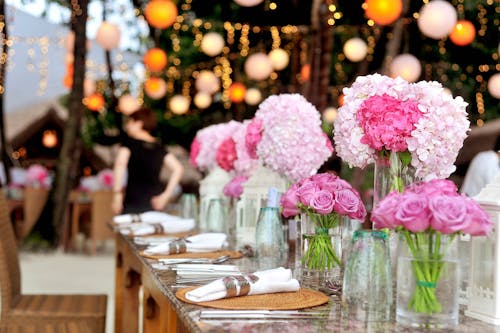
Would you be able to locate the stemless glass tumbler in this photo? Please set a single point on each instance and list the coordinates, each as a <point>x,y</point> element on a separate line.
<point>216,218</point>
<point>269,238</point>
<point>367,287</point>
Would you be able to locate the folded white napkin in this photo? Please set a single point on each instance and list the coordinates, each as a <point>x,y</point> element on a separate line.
<point>207,242</point>
<point>146,217</point>
<point>171,227</point>
<point>269,281</point>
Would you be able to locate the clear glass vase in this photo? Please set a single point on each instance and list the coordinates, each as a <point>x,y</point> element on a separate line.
<point>427,280</point>
<point>393,172</point>
<point>321,250</point>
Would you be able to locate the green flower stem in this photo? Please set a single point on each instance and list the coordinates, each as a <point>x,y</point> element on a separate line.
<point>320,253</point>
<point>427,252</point>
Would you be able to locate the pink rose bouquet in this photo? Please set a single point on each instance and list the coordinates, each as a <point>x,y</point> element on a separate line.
<point>424,213</point>
<point>420,122</point>
<point>286,136</point>
<point>38,176</point>
<point>324,198</point>
<point>105,178</point>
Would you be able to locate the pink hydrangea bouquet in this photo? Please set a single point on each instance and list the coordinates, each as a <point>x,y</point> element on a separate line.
<point>323,197</point>
<point>232,154</point>
<point>204,146</point>
<point>429,215</point>
<point>419,121</point>
<point>286,136</point>
<point>38,176</point>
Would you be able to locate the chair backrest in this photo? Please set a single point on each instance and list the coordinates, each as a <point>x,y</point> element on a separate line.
<point>34,201</point>
<point>10,273</point>
<point>101,215</point>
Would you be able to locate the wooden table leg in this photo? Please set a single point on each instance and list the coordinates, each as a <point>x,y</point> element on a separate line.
<point>119,284</point>
<point>158,314</point>
<point>75,216</point>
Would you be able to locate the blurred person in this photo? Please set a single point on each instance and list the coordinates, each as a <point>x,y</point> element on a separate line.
<point>482,170</point>
<point>142,157</point>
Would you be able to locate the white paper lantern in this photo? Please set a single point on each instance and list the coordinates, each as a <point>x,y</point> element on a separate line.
<point>437,18</point>
<point>248,3</point>
<point>108,35</point>
<point>207,82</point>
<point>202,100</point>
<point>355,49</point>
<point>128,104</point>
<point>279,59</point>
<point>330,114</point>
<point>89,86</point>
<point>407,66</point>
<point>258,66</point>
<point>179,104</point>
<point>253,96</point>
<point>494,85</point>
<point>212,44</point>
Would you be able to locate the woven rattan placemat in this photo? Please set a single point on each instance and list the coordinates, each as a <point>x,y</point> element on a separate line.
<point>208,255</point>
<point>301,299</point>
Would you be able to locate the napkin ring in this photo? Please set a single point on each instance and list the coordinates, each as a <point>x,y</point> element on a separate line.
<point>158,228</point>
<point>176,247</point>
<point>239,285</point>
<point>136,218</point>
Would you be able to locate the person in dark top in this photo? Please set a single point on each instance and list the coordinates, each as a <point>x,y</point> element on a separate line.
<point>142,156</point>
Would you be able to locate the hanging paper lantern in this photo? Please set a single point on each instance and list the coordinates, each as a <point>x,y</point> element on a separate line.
<point>258,66</point>
<point>305,72</point>
<point>161,14</point>
<point>437,18</point>
<point>207,82</point>
<point>155,87</point>
<point>212,44</point>
<point>94,102</point>
<point>406,66</point>
<point>248,3</point>
<point>49,138</point>
<point>355,49</point>
<point>383,12</point>
<point>494,85</point>
<point>108,35</point>
<point>179,104</point>
<point>202,100</point>
<point>463,33</point>
<point>237,92</point>
<point>279,59</point>
<point>340,100</point>
<point>89,86</point>
<point>128,104</point>
<point>155,59</point>
<point>253,96</point>
<point>330,114</point>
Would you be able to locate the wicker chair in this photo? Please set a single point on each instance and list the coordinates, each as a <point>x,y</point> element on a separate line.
<point>100,215</point>
<point>34,201</point>
<point>40,313</point>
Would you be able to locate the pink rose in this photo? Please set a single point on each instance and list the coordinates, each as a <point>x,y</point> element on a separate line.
<point>226,154</point>
<point>234,188</point>
<point>449,213</point>
<point>253,137</point>
<point>290,201</point>
<point>347,202</point>
<point>195,150</point>
<point>384,214</point>
<point>306,191</point>
<point>322,202</point>
<point>480,223</point>
<point>413,212</point>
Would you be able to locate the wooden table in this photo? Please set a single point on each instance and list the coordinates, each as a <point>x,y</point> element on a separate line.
<point>163,312</point>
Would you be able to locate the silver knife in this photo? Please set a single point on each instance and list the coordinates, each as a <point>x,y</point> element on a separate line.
<point>260,314</point>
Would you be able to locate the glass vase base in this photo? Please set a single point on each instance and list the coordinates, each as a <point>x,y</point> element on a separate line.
<point>318,278</point>
<point>412,319</point>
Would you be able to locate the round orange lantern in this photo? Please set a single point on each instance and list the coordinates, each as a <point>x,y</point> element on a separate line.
<point>237,92</point>
<point>383,12</point>
<point>94,102</point>
<point>161,14</point>
<point>463,33</point>
<point>155,87</point>
<point>68,78</point>
<point>155,59</point>
<point>341,100</point>
<point>305,72</point>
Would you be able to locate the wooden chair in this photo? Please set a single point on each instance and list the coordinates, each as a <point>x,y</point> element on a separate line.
<point>100,215</point>
<point>40,313</point>
<point>34,201</point>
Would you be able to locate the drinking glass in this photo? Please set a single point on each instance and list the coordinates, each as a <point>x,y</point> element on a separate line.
<point>269,238</point>
<point>188,206</point>
<point>216,218</point>
<point>367,287</point>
